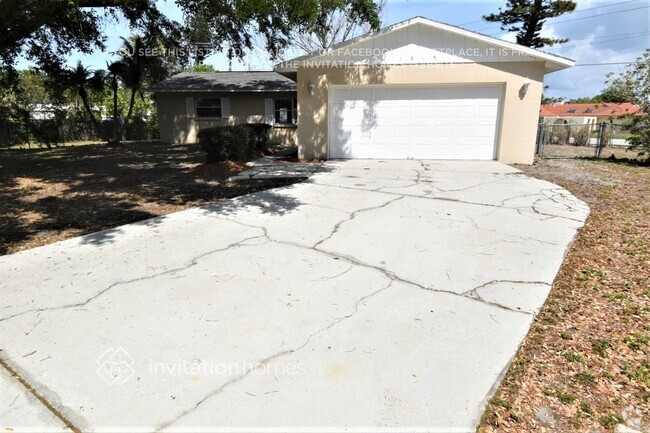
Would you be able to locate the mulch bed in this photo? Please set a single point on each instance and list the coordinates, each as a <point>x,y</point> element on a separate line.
<point>585,365</point>
<point>51,195</point>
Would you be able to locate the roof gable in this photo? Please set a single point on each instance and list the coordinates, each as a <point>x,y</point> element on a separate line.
<point>424,41</point>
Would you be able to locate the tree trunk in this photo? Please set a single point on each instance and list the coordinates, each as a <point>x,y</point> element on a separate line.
<point>93,119</point>
<point>531,24</point>
<point>131,103</point>
<point>116,126</point>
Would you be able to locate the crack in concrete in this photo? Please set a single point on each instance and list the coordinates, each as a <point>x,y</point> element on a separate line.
<point>191,263</point>
<point>470,295</point>
<point>489,283</point>
<point>525,238</point>
<point>473,293</point>
<point>30,389</point>
<point>268,360</point>
<point>352,216</point>
<point>449,199</point>
<point>355,261</point>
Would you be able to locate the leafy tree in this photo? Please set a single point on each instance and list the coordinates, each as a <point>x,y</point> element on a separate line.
<point>526,17</point>
<point>614,95</point>
<point>201,67</point>
<point>46,31</point>
<point>551,100</point>
<point>634,86</point>
<point>337,21</point>
<point>33,88</point>
<point>229,26</point>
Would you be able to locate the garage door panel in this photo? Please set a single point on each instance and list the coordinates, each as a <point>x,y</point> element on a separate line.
<point>452,122</point>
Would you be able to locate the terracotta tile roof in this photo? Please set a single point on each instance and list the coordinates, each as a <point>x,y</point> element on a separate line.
<point>590,110</point>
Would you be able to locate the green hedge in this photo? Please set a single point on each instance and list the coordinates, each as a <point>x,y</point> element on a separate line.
<point>234,143</point>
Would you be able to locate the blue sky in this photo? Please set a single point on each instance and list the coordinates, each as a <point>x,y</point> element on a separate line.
<point>600,32</point>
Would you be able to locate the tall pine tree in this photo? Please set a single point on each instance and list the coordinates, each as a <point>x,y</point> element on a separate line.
<point>526,17</point>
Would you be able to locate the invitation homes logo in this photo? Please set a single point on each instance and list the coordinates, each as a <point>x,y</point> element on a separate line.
<point>116,366</point>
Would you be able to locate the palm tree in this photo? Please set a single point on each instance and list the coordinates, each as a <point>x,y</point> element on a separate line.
<point>81,79</point>
<point>116,71</point>
<point>140,68</point>
<point>134,68</point>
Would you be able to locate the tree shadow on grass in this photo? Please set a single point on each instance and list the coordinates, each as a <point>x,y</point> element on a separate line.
<point>78,190</point>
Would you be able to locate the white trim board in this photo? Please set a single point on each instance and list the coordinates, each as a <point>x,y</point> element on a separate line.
<point>552,62</point>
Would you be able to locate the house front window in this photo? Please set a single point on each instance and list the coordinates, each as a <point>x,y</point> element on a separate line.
<point>208,107</point>
<point>286,111</point>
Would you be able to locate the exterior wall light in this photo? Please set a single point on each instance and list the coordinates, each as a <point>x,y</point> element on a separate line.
<point>524,88</point>
<point>312,89</point>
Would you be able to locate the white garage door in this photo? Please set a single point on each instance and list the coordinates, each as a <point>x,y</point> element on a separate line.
<point>445,122</point>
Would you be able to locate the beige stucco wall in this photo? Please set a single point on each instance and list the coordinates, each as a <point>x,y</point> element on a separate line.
<point>583,120</point>
<point>572,120</point>
<point>176,128</point>
<point>519,113</point>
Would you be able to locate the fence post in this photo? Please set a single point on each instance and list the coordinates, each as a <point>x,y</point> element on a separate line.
<point>540,140</point>
<point>601,139</point>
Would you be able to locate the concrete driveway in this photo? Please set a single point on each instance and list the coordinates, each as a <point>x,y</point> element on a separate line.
<point>379,295</point>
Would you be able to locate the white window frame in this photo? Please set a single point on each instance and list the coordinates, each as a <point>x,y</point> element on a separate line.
<point>197,107</point>
<point>294,110</point>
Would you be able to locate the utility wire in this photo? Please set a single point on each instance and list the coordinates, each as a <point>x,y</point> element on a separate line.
<point>574,19</point>
<point>603,64</point>
<point>603,42</point>
<point>572,12</point>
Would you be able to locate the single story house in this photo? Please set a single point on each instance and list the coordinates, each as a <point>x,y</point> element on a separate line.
<point>417,89</point>
<point>191,101</point>
<point>587,114</point>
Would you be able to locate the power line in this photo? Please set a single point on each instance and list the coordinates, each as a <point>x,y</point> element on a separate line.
<point>634,34</point>
<point>604,6</point>
<point>473,22</point>
<point>572,12</point>
<point>574,19</point>
<point>603,64</point>
<point>604,42</point>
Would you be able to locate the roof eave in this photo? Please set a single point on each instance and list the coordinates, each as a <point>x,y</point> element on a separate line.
<point>219,90</point>
<point>553,62</point>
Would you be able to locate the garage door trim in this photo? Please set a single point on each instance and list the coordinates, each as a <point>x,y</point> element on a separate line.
<point>500,87</point>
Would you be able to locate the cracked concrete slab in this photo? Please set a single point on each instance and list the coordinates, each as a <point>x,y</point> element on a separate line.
<point>20,411</point>
<point>351,374</point>
<point>376,295</point>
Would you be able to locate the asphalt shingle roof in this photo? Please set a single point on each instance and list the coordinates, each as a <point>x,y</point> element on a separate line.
<point>225,82</point>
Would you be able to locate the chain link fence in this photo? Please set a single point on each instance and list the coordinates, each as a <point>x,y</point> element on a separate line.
<point>26,132</point>
<point>595,140</point>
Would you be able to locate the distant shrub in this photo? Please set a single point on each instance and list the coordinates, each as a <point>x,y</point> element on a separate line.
<point>558,134</point>
<point>234,143</point>
<point>260,134</point>
<point>46,132</point>
<point>581,135</point>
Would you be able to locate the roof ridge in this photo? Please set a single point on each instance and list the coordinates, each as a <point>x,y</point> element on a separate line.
<point>441,26</point>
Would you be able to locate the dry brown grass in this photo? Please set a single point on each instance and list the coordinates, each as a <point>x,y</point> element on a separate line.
<point>51,195</point>
<point>568,151</point>
<point>587,356</point>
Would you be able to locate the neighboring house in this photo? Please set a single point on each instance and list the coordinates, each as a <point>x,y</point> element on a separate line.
<point>418,89</point>
<point>191,101</point>
<point>585,114</point>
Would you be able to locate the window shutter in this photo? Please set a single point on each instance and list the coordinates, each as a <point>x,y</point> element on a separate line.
<point>225,107</point>
<point>189,107</point>
<point>268,111</point>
